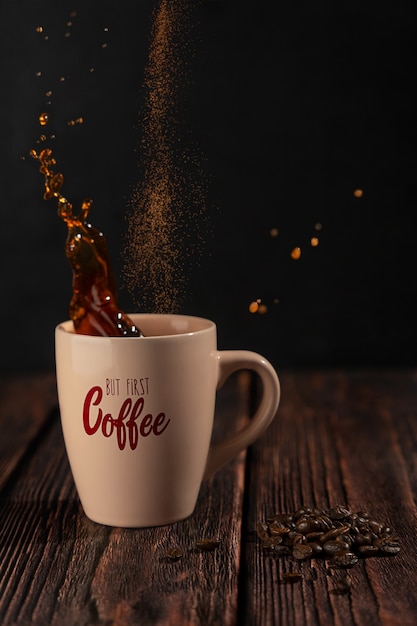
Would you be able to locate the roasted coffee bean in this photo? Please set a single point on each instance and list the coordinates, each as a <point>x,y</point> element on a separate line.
<point>291,577</point>
<point>338,512</point>
<point>207,545</point>
<point>283,518</point>
<point>174,554</point>
<point>325,522</point>
<point>270,543</point>
<point>280,550</point>
<point>315,535</point>
<point>388,545</point>
<point>333,547</point>
<point>346,538</point>
<point>302,551</point>
<point>316,547</point>
<point>298,538</point>
<point>344,561</point>
<point>277,527</point>
<point>337,534</point>
<point>302,511</point>
<point>368,550</point>
<point>262,530</point>
<point>307,525</point>
<point>342,585</point>
<point>376,527</point>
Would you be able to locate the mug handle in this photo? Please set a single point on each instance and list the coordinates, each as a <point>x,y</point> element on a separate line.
<point>230,361</point>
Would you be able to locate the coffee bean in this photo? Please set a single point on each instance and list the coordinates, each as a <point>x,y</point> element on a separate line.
<point>388,545</point>
<point>337,534</point>
<point>338,512</point>
<point>333,533</point>
<point>207,545</point>
<point>334,547</point>
<point>344,560</point>
<point>174,554</point>
<point>291,577</point>
<point>368,550</point>
<point>342,585</point>
<point>308,525</point>
<point>302,551</point>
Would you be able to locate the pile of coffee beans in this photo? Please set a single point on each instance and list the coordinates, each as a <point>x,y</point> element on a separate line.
<point>337,534</point>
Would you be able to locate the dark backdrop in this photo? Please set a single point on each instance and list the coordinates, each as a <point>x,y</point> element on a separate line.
<point>291,108</point>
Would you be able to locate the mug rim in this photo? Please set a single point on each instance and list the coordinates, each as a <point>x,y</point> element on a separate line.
<point>203,325</point>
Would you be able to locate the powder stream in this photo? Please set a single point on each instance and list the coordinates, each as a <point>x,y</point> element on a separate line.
<point>153,252</point>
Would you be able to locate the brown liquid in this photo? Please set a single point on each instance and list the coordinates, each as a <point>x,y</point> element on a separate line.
<point>93,309</point>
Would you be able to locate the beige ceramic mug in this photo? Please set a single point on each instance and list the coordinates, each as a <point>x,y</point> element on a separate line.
<point>137,416</point>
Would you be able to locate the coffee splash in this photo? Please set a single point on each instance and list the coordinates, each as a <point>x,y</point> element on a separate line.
<point>94,308</point>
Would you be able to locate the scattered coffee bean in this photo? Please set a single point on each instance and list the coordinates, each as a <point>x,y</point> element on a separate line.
<point>387,545</point>
<point>302,551</point>
<point>207,545</point>
<point>368,549</point>
<point>339,535</point>
<point>342,585</point>
<point>291,577</point>
<point>344,560</point>
<point>174,554</point>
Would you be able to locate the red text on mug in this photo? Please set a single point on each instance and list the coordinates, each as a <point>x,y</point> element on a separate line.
<point>128,426</point>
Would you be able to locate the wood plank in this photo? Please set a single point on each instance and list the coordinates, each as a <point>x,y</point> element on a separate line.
<point>348,438</point>
<point>26,403</point>
<point>59,568</point>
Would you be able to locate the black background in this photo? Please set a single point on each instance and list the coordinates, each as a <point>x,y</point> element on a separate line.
<point>291,107</point>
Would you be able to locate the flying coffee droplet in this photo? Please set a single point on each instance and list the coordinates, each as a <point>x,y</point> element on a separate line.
<point>87,203</point>
<point>93,307</point>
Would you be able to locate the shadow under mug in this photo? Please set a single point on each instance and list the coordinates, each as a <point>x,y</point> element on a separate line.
<point>137,415</point>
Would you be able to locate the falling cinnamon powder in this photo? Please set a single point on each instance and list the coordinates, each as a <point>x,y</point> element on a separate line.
<point>165,205</point>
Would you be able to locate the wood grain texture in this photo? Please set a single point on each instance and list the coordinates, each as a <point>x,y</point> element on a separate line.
<point>59,568</point>
<point>341,438</point>
<point>26,403</point>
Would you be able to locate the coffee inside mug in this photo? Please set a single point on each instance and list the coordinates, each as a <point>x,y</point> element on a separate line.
<point>160,325</point>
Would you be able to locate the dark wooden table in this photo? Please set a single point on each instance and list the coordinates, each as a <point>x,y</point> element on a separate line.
<point>340,437</point>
